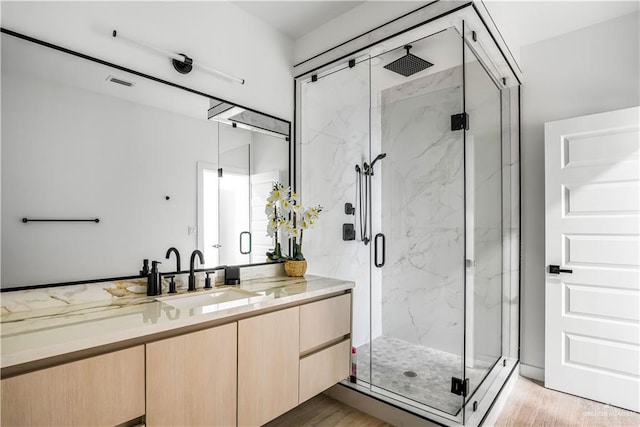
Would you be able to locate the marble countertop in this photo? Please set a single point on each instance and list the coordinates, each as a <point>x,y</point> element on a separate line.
<point>44,323</point>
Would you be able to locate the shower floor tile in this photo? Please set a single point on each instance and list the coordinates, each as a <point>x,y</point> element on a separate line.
<point>394,359</point>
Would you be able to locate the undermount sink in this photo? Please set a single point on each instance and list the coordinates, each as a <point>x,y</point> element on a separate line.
<point>210,301</point>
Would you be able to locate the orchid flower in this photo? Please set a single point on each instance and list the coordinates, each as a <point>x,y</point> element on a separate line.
<point>286,214</point>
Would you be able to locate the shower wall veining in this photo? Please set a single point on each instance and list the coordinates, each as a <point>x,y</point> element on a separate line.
<point>423,211</point>
<point>422,185</point>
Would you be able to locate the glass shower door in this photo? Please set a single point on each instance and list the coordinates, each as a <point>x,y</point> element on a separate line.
<point>483,175</point>
<point>334,138</point>
<point>418,222</point>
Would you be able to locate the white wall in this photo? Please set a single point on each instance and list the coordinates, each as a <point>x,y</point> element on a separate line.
<point>352,23</point>
<point>522,23</point>
<point>588,71</point>
<point>215,33</point>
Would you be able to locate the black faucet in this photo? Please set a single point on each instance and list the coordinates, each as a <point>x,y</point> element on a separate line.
<point>175,251</point>
<point>192,276</point>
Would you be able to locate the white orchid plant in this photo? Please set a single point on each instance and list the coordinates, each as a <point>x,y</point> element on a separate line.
<point>286,215</point>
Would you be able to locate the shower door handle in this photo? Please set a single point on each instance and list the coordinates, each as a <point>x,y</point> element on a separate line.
<point>375,249</point>
<point>248,233</point>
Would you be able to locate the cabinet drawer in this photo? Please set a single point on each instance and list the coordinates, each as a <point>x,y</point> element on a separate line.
<point>101,390</point>
<point>324,321</point>
<point>321,370</point>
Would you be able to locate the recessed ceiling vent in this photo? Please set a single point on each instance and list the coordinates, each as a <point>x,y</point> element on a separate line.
<point>119,81</point>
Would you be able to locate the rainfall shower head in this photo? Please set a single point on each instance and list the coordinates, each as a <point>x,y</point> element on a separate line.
<point>408,64</point>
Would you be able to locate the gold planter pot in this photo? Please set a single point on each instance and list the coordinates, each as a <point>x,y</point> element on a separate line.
<point>295,268</point>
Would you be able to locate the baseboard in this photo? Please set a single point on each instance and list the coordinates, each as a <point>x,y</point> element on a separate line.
<point>532,372</point>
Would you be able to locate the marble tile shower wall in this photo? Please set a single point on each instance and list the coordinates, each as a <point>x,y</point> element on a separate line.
<point>423,212</point>
<point>335,137</point>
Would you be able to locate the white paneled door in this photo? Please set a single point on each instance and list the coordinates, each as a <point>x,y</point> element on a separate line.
<point>592,308</point>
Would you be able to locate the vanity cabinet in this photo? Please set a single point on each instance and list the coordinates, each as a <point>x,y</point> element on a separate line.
<point>191,379</point>
<point>245,372</point>
<point>268,358</point>
<point>325,344</point>
<point>102,390</point>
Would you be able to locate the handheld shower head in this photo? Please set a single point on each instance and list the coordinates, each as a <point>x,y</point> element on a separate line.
<point>379,157</point>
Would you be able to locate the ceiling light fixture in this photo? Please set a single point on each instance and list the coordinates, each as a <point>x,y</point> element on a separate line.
<point>181,62</point>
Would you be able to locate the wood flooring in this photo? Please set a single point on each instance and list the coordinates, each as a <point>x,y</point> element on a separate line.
<point>323,411</point>
<point>530,404</point>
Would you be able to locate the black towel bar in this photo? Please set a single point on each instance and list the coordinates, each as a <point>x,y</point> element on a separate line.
<point>25,220</point>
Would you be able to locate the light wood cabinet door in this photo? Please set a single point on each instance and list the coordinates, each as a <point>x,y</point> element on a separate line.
<point>324,321</point>
<point>191,379</point>
<point>321,370</point>
<point>105,390</point>
<point>268,358</point>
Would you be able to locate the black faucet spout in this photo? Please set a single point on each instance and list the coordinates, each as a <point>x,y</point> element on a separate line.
<point>192,276</point>
<point>175,251</point>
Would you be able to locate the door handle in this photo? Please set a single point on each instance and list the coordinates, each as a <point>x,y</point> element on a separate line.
<point>555,269</point>
<point>375,250</point>
<point>248,233</point>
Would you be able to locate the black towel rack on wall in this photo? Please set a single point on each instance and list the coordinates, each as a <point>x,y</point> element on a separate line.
<point>96,220</point>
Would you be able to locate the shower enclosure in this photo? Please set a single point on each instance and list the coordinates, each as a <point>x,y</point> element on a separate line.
<point>418,135</point>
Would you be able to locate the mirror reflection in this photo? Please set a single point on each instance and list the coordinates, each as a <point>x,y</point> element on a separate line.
<point>159,166</point>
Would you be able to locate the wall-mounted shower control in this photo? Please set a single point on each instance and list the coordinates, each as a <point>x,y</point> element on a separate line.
<point>349,209</point>
<point>348,232</point>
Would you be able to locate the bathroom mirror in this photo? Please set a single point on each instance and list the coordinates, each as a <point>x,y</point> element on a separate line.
<point>131,164</point>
